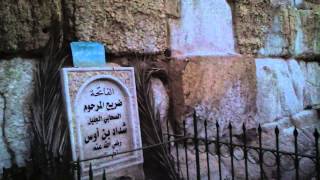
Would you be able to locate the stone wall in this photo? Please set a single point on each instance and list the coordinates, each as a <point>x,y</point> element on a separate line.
<point>239,61</point>
<point>15,90</point>
<point>279,28</point>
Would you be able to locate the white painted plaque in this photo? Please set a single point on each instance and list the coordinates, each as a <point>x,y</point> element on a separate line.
<point>103,117</point>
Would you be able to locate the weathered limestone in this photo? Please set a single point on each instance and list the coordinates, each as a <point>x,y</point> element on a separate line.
<point>214,86</point>
<point>205,28</point>
<point>251,22</point>
<point>280,29</point>
<point>311,73</point>
<point>24,25</point>
<point>293,3</point>
<point>16,85</point>
<point>220,89</point>
<point>284,88</point>
<point>293,33</point>
<point>307,118</point>
<point>123,26</point>
<point>161,101</point>
<point>214,166</point>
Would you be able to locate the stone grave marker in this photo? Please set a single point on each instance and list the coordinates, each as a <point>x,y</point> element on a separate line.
<point>102,111</point>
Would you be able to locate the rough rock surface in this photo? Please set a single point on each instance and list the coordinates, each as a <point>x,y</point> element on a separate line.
<point>219,89</point>
<point>161,101</point>
<point>24,24</point>
<point>16,85</point>
<point>311,74</point>
<point>281,28</point>
<point>285,88</point>
<point>294,32</point>
<point>205,28</point>
<point>251,21</point>
<point>123,26</point>
<point>213,166</point>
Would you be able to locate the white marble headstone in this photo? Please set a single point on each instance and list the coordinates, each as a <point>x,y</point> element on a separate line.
<point>103,117</point>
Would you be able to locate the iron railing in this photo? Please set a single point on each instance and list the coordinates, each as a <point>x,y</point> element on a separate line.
<point>196,141</point>
<point>215,145</point>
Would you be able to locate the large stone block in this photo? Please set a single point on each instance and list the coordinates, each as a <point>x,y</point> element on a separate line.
<point>204,29</point>
<point>285,88</point>
<point>311,74</point>
<point>251,21</point>
<point>277,28</point>
<point>293,33</point>
<point>218,89</point>
<point>15,88</point>
<point>123,26</point>
<point>24,25</point>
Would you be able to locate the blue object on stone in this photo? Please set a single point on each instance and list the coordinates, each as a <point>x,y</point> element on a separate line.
<point>88,54</point>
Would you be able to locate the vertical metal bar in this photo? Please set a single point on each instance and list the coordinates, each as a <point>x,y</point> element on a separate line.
<point>168,136</point>
<point>260,152</point>
<point>316,138</point>
<point>185,148</point>
<point>296,157</point>
<point>90,172</point>
<point>176,145</point>
<point>218,149</point>
<point>231,150</point>
<point>276,131</point>
<point>245,150</point>
<point>78,169</point>
<point>207,148</point>
<point>104,175</point>
<point>196,144</point>
<point>73,166</point>
<point>178,159</point>
<point>4,173</point>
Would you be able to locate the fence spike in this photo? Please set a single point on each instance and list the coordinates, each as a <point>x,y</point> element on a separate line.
<point>260,152</point>
<point>295,132</point>
<point>316,139</point>
<point>244,128</point>
<point>231,150</point>
<point>178,159</point>
<point>316,133</point>
<point>276,130</point>
<point>90,172</point>
<point>78,169</point>
<point>245,151</point>
<point>184,123</point>
<point>196,145</point>
<point>104,175</point>
<point>296,159</point>
<point>207,148</point>
<point>185,148</point>
<point>218,149</point>
<point>168,136</point>
<point>4,173</point>
<point>259,128</point>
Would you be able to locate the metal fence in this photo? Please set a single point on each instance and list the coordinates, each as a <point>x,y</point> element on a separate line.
<point>181,144</point>
<point>224,150</point>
